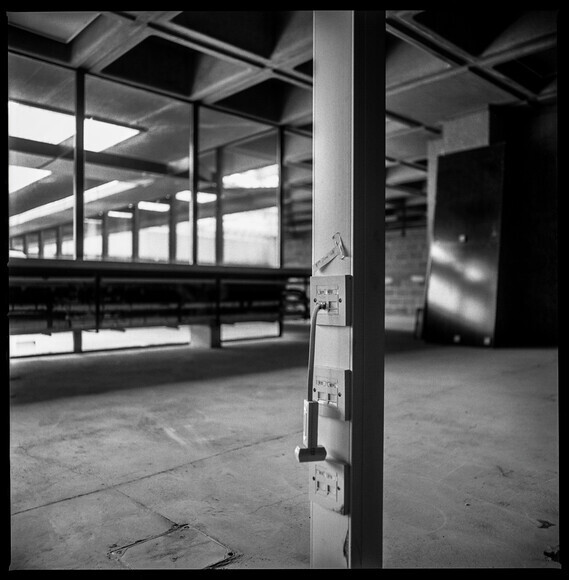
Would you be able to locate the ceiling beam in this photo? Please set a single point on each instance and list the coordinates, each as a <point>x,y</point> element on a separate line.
<point>461,61</point>
<point>404,120</point>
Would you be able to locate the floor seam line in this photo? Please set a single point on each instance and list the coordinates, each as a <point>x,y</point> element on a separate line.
<point>117,485</point>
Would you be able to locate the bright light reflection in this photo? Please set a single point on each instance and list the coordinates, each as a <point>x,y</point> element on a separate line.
<point>100,135</point>
<point>474,273</point>
<point>42,211</point>
<point>37,124</point>
<point>474,310</point>
<point>441,255</point>
<point>203,197</point>
<point>264,177</point>
<point>443,295</point>
<point>119,214</point>
<point>106,189</point>
<point>65,203</point>
<point>153,206</point>
<point>448,298</point>
<point>20,177</point>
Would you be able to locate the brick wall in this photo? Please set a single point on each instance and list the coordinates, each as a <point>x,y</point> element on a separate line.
<point>405,267</point>
<point>405,270</point>
<point>298,250</point>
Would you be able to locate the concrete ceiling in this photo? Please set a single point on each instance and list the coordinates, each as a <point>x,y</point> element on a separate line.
<point>439,65</point>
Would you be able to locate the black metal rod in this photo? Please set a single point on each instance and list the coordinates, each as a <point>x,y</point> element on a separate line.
<point>58,242</point>
<point>281,194</point>
<point>97,302</point>
<point>104,236</point>
<point>194,179</point>
<point>79,167</point>
<point>219,207</point>
<point>135,231</point>
<point>172,238</point>
<point>41,235</point>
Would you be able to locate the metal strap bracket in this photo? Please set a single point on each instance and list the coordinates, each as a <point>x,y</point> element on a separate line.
<point>337,250</point>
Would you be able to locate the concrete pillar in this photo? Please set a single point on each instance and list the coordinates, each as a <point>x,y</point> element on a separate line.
<point>205,335</point>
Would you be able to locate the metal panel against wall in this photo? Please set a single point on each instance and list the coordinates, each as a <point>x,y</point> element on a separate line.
<point>464,255</point>
<point>469,195</point>
<point>461,296</point>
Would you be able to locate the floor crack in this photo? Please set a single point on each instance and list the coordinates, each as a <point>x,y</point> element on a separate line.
<point>276,502</point>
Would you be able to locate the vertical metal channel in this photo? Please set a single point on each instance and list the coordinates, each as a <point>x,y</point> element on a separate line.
<point>219,207</point>
<point>58,242</point>
<point>194,179</point>
<point>105,236</point>
<point>41,243</point>
<point>135,232</point>
<point>349,198</point>
<point>172,237</point>
<point>79,167</point>
<point>281,194</point>
<point>368,267</point>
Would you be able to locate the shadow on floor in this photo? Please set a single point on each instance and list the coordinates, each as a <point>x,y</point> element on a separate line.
<point>51,377</point>
<point>402,341</point>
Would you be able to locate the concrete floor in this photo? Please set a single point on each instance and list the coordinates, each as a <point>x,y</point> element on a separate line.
<point>182,457</point>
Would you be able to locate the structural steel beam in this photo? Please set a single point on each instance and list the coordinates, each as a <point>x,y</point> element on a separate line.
<point>349,199</point>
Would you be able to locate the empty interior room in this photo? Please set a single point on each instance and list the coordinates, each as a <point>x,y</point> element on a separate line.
<point>237,340</point>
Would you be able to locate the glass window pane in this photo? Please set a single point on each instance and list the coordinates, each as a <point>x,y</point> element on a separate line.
<point>137,164</point>
<point>17,244</point>
<point>153,231</point>
<point>49,243</point>
<point>119,235</point>
<point>67,241</point>
<point>221,137</point>
<point>250,202</point>
<point>93,238</point>
<point>297,201</point>
<point>33,245</point>
<point>41,126</point>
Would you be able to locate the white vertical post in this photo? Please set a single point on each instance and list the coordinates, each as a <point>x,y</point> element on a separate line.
<point>349,199</point>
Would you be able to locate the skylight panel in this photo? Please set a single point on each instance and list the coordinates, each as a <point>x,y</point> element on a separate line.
<point>203,197</point>
<point>38,124</point>
<point>66,203</point>
<point>125,215</point>
<point>45,126</point>
<point>106,189</point>
<point>100,135</point>
<point>153,206</point>
<point>20,177</point>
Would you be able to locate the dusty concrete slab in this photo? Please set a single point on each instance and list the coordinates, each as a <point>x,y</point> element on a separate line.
<point>165,431</point>
<point>180,547</point>
<point>471,463</point>
<point>110,449</point>
<point>78,533</point>
<point>256,495</point>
